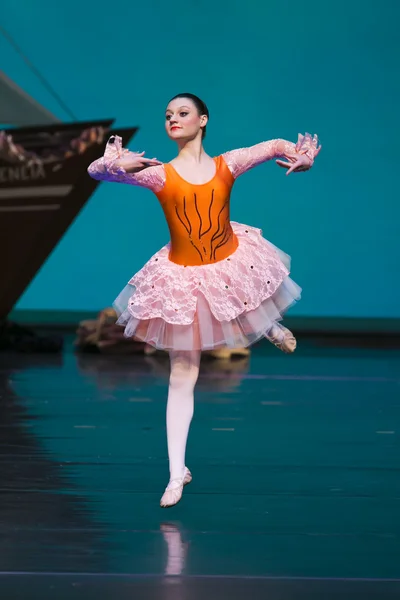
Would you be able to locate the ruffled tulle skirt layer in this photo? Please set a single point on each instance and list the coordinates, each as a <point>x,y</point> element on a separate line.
<point>232,303</point>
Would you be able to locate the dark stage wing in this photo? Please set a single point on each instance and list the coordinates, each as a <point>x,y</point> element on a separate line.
<point>43,185</point>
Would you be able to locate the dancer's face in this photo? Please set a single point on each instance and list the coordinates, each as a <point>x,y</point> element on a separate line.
<point>182,120</point>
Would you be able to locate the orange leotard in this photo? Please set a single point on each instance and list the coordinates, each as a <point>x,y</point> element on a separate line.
<point>198,216</point>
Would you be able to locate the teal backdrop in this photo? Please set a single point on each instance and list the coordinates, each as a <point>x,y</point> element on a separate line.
<point>266,70</point>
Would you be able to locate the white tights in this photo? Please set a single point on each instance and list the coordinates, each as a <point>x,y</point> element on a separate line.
<point>180,406</point>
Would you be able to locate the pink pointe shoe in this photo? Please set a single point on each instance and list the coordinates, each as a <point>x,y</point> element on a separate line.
<point>173,491</point>
<point>282,338</point>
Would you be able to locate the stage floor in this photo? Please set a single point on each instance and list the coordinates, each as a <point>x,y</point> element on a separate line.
<point>296,477</point>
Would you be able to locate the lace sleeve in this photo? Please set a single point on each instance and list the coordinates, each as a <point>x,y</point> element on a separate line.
<point>106,169</point>
<point>241,160</point>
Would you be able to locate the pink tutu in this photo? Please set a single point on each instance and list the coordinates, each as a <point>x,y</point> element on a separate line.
<point>233,302</point>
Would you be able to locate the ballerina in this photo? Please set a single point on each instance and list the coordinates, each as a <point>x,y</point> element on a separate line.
<point>217,283</point>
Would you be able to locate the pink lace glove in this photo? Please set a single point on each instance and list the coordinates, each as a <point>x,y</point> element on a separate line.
<point>121,165</point>
<point>306,150</point>
<point>119,160</point>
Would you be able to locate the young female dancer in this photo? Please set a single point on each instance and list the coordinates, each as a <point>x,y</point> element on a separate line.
<point>217,282</point>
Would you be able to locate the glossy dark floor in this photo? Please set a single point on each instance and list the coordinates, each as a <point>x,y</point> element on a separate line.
<point>295,493</point>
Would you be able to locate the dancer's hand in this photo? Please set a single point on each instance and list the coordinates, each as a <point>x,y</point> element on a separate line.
<point>302,159</point>
<point>135,161</point>
<point>298,162</point>
<point>123,158</point>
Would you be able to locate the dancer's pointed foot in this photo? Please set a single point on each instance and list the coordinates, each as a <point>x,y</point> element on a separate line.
<point>173,491</point>
<point>282,338</point>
